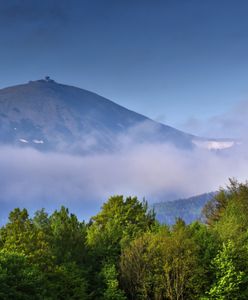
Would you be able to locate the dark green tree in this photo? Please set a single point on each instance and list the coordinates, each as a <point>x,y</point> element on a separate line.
<point>19,279</point>
<point>68,237</point>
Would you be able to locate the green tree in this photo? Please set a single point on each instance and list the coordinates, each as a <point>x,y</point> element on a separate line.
<point>181,264</point>
<point>55,245</point>
<point>141,266</point>
<point>232,224</point>
<point>68,278</point>
<point>228,277</point>
<point>19,279</point>
<point>67,281</point>
<point>23,235</point>
<point>119,221</point>
<point>208,243</point>
<point>162,265</point>
<point>236,192</point>
<point>68,237</point>
<point>112,290</point>
<point>17,235</point>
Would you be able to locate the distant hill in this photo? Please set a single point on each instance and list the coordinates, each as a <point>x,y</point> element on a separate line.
<point>188,209</point>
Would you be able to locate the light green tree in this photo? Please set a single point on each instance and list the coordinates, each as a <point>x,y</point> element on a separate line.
<point>112,290</point>
<point>119,221</point>
<point>228,277</point>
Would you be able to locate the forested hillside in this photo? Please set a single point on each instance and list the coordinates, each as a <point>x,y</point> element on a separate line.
<point>189,209</point>
<point>124,253</point>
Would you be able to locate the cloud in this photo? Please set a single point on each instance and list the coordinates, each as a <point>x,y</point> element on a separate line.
<point>231,124</point>
<point>155,171</point>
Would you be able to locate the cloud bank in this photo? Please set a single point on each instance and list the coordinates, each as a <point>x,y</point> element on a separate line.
<point>157,172</point>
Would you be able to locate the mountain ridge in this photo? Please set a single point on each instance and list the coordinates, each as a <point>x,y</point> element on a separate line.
<point>189,209</point>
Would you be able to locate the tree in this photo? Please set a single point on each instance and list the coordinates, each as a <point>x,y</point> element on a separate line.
<point>68,237</point>
<point>141,266</point>
<point>55,245</point>
<point>119,221</point>
<point>23,235</point>
<point>208,242</point>
<point>214,209</point>
<point>162,265</point>
<point>17,230</point>
<point>67,281</point>
<point>232,223</point>
<point>181,264</point>
<point>228,277</point>
<point>112,290</point>
<point>19,279</point>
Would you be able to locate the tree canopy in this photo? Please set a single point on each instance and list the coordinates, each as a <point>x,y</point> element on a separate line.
<point>124,253</point>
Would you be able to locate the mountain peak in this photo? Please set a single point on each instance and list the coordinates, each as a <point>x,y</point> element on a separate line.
<point>47,79</point>
<point>53,116</point>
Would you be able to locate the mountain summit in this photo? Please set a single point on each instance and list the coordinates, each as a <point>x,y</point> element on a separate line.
<point>57,117</point>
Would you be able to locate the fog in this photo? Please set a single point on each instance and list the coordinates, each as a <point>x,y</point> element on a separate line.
<point>158,172</point>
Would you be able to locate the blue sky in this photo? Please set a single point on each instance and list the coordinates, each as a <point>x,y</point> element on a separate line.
<point>173,61</point>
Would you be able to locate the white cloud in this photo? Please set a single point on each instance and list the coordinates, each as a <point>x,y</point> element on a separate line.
<point>33,179</point>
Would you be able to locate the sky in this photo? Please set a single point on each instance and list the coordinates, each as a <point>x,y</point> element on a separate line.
<point>177,61</point>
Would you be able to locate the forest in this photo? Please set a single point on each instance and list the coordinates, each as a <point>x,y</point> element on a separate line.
<point>125,253</point>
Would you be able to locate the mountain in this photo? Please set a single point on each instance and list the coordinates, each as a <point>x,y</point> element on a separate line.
<point>50,116</point>
<point>188,209</point>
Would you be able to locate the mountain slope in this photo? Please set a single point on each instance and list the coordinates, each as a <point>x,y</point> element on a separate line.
<point>52,116</point>
<point>188,209</point>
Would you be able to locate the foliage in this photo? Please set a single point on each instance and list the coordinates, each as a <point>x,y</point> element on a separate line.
<point>228,278</point>
<point>112,290</point>
<point>68,237</point>
<point>19,279</point>
<point>67,281</point>
<point>123,253</point>
<point>208,243</point>
<point>159,265</point>
<point>55,245</point>
<point>181,266</point>
<point>119,221</point>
